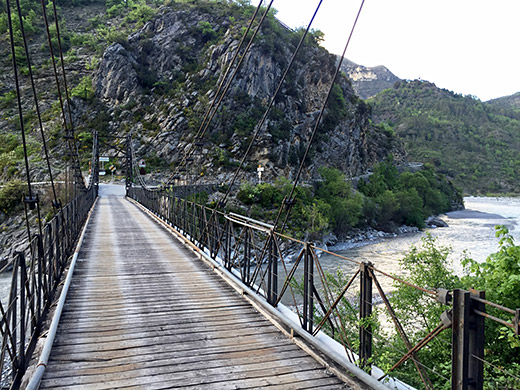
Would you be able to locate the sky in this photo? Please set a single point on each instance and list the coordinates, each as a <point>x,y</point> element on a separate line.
<point>471,47</point>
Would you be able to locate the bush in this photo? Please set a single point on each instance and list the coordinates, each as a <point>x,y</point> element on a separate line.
<point>84,89</point>
<point>11,196</point>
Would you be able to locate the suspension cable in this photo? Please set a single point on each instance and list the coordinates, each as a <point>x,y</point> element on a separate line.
<point>60,50</point>
<point>318,121</point>
<point>37,105</point>
<point>53,60</point>
<point>228,70</point>
<point>70,131</point>
<point>221,84</point>
<point>19,99</point>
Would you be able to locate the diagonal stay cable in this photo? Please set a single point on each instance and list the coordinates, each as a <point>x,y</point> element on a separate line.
<point>31,199</point>
<point>18,97</point>
<point>271,103</point>
<point>228,70</point>
<point>235,71</point>
<point>73,146</point>
<point>318,121</point>
<point>53,60</point>
<point>221,85</point>
<point>266,113</point>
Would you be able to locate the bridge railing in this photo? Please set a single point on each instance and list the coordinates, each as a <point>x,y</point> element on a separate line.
<point>348,307</point>
<point>36,273</point>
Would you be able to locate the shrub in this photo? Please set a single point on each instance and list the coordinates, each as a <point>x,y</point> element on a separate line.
<point>11,196</point>
<point>84,89</point>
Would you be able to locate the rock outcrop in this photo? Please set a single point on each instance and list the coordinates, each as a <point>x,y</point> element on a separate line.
<point>368,81</point>
<point>160,82</point>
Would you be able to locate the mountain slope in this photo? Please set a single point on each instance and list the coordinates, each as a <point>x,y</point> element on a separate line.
<point>506,102</point>
<point>474,143</point>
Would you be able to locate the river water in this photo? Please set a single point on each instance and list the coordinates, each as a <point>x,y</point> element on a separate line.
<point>471,230</point>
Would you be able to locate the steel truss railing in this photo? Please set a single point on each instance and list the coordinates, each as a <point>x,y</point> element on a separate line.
<point>36,273</point>
<point>258,257</point>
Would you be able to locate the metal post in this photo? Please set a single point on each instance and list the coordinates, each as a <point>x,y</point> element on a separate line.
<point>365,311</point>
<point>246,264</point>
<point>23,312</point>
<point>227,249</point>
<point>272,279</point>
<point>308,289</point>
<point>467,341</point>
<point>39,290</point>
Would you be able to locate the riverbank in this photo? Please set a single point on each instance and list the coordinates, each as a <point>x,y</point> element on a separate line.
<point>362,237</point>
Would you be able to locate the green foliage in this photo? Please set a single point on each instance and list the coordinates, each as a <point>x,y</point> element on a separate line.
<point>429,267</point>
<point>207,32</point>
<point>6,99</point>
<point>11,196</point>
<point>337,110</point>
<point>84,89</point>
<point>406,198</point>
<point>499,277</point>
<point>386,200</point>
<point>346,206</point>
<point>140,14</point>
<point>474,143</point>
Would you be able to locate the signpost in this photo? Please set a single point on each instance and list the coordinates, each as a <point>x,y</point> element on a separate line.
<point>103,160</point>
<point>259,170</point>
<point>112,169</point>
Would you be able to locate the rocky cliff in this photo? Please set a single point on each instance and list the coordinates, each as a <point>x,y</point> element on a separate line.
<point>159,83</point>
<point>368,81</point>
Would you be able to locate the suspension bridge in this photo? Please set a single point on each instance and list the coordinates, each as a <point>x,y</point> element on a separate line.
<point>141,287</point>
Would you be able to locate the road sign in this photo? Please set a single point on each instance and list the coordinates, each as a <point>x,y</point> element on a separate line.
<point>112,168</point>
<point>102,173</point>
<point>104,159</point>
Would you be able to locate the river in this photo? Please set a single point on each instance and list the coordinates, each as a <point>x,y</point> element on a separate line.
<point>471,230</point>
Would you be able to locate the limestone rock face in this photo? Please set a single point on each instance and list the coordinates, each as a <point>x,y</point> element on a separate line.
<point>117,76</point>
<point>160,83</point>
<point>368,81</point>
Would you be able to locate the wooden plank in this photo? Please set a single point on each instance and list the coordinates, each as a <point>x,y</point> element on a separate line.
<point>127,336</point>
<point>274,372</point>
<point>214,357</point>
<point>234,314</point>
<point>200,338</point>
<point>183,367</point>
<point>187,315</point>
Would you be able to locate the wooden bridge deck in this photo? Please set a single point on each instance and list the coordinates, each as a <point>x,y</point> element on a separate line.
<point>144,313</point>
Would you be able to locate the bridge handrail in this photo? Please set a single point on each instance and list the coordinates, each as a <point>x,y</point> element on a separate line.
<point>253,252</point>
<point>37,271</point>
